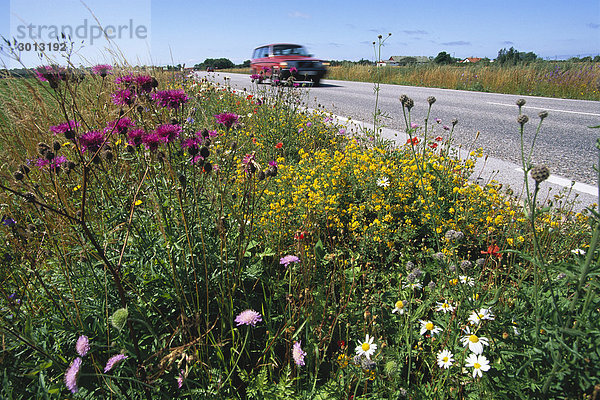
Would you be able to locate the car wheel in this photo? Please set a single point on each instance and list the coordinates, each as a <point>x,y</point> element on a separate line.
<point>316,81</point>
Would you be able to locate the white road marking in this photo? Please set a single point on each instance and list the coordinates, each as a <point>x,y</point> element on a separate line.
<point>578,186</point>
<point>547,109</point>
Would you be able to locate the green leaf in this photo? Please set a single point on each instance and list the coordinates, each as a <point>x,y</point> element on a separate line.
<point>319,250</point>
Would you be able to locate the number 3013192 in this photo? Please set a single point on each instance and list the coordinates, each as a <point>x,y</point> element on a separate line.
<point>26,46</point>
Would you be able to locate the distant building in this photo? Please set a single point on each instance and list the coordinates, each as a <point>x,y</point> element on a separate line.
<point>404,60</point>
<point>470,60</point>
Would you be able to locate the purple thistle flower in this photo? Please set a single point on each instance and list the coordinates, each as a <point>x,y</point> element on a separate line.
<point>136,137</point>
<point>72,374</point>
<point>120,125</point>
<point>124,80</point>
<point>91,140</point>
<point>298,354</point>
<point>102,69</point>
<point>248,317</point>
<point>227,119</point>
<point>287,260</point>
<point>114,360</point>
<point>123,97</point>
<point>180,378</point>
<point>168,132</point>
<point>152,141</point>
<point>144,83</point>
<point>8,221</point>
<point>64,127</point>
<point>51,73</point>
<point>272,163</point>
<point>83,345</point>
<point>171,99</point>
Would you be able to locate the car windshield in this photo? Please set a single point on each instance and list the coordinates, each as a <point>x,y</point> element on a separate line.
<point>289,49</point>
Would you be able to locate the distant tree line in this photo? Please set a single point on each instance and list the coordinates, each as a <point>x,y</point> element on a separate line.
<point>220,63</point>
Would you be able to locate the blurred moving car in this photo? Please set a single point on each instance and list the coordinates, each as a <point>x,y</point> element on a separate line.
<point>282,60</point>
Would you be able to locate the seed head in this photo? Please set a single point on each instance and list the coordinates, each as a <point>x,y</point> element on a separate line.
<point>454,122</point>
<point>543,114</point>
<point>18,175</point>
<point>540,173</point>
<point>431,100</point>
<point>521,102</point>
<point>522,119</point>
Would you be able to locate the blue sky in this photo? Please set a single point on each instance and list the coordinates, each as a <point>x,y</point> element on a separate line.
<point>157,32</point>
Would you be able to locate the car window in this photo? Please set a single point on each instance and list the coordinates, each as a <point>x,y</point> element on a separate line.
<point>286,50</point>
<point>260,52</point>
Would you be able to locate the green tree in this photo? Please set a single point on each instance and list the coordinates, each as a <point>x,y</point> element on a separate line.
<point>443,58</point>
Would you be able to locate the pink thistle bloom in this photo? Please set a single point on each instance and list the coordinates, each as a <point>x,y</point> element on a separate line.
<point>171,99</point>
<point>124,80</point>
<point>123,97</point>
<point>102,69</point>
<point>414,126</point>
<point>168,132</point>
<point>136,137</point>
<point>113,361</point>
<point>83,345</point>
<point>248,317</point>
<point>91,140</point>
<point>64,127</point>
<point>227,119</point>
<point>446,127</point>
<point>152,141</point>
<point>180,378</point>
<point>438,120</point>
<point>144,82</point>
<point>287,260</point>
<point>120,125</point>
<point>72,374</point>
<point>298,354</point>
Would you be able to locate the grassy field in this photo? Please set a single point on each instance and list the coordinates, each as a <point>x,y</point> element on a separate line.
<point>169,238</point>
<point>548,79</point>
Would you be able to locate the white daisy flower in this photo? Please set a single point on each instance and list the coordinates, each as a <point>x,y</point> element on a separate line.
<point>413,285</point>
<point>444,359</point>
<point>478,362</point>
<point>429,327</point>
<point>444,306</point>
<point>579,252</point>
<point>399,307</point>
<point>366,348</point>
<point>484,313</point>
<point>466,280</point>
<point>474,342</point>
<point>383,182</point>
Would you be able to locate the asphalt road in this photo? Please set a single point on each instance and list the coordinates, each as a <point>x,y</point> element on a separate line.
<point>565,144</point>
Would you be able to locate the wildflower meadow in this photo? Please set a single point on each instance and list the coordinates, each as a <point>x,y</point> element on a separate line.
<point>165,236</point>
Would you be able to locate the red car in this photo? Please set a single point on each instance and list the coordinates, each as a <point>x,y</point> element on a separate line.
<point>282,60</point>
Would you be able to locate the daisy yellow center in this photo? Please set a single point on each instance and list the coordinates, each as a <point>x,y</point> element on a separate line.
<point>445,359</point>
<point>477,365</point>
<point>446,305</point>
<point>429,326</point>
<point>474,338</point>
<point>365,346</point>
<point>480,316</point>
<point>399,304</point>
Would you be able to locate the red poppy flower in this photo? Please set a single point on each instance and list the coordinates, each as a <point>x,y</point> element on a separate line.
<point>439,138</point>
<point>493,250</point>
<point>279,145</point>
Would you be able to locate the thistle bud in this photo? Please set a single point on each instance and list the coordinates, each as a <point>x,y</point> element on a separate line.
<point>540,173</point>
<point>522,119</point>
